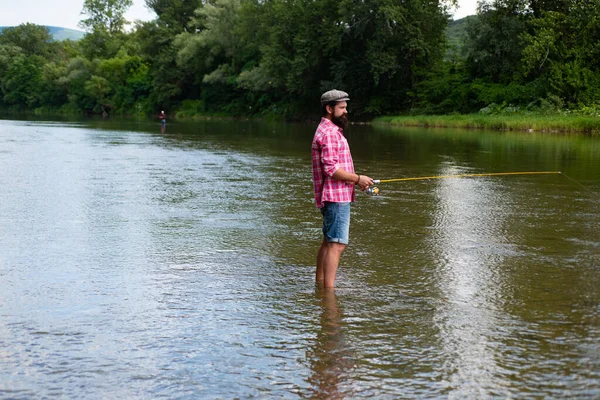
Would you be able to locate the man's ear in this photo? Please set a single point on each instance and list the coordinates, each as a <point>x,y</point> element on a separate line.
<point>329,109</point>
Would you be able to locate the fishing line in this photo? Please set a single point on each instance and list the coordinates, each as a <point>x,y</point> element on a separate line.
<point>375,191</point>
<point>571,179</point>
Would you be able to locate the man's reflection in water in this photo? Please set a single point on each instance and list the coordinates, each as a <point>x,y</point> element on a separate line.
<point>327,357</point>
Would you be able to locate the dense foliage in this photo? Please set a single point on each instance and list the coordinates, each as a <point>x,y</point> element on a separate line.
<point>519,55</point>
<point>275,57</point>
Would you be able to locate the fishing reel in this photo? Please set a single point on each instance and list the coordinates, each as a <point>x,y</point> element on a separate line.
<point>372,191</point>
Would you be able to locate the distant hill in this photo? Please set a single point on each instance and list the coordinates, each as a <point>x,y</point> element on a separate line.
<point>60,34</point>
<point>64,34</point>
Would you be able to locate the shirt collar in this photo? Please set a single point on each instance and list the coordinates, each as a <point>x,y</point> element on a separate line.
<point>329,122</point>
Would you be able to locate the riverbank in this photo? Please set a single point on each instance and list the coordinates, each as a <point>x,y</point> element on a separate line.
<point>557,123</point>
<point>527,123</point>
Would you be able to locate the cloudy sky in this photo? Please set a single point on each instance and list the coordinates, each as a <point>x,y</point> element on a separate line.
<point>66,13</point>
<point>63,13</point>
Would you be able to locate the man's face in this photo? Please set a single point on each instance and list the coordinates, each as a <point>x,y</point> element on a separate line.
<point>339,114</point>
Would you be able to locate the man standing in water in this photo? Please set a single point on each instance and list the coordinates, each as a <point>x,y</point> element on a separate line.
<point>334,180</point>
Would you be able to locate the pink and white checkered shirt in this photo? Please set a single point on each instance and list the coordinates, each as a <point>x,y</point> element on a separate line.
<point>330,151</point>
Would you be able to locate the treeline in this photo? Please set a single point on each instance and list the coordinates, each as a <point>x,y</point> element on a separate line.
<point>275,57</point>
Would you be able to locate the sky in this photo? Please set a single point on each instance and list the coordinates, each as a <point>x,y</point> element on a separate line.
<point>67,13</point>
<point>62,13</point>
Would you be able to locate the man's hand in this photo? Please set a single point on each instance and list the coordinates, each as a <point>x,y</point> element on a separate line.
<point>364,182</point>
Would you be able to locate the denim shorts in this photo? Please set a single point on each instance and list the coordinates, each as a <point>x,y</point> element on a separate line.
<point>336,222</point>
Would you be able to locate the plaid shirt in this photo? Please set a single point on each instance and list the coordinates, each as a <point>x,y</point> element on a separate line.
<point>330,151</point>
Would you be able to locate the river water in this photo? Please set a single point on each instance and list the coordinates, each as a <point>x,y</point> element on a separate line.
<point>136,263</point>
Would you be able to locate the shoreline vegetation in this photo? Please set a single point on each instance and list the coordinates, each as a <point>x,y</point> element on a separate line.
<point>525,123</point>
<point>532,122</point>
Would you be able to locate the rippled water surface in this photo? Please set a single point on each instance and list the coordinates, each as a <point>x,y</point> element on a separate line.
<point>136,263</point>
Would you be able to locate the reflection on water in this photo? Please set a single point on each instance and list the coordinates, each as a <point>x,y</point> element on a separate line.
<point>470,245</point>
<point>140,263</point>
<point>329,359</point>
<point>483,263</point>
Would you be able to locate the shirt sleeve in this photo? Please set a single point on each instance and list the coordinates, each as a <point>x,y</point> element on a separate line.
<point>330,154</point>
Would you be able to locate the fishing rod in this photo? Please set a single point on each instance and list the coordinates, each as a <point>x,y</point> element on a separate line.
<point>424,178</point>
<point>374,191</point>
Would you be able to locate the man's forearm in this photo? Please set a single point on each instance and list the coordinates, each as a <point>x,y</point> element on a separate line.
<point>361,180</point>
<point>342,175</point>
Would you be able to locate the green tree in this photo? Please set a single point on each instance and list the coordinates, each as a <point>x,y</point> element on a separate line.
<point>391,46</point>
<point>54,90</point>
<point>493,45</point>
<point>78,72</point>
<point>170,84</point>
<point>296,41</point>
<point>214,55</point>
<point>563,50</point>
<point>98,89</point>
<point>128,80</point>
<point>174,14</point>
<point>105,24</point>
<point>285,53</point>
<point>22,82</point>
<point>375,49</point>
<point>32,39</point>
<point>105,15</point>
<point>8,53</point>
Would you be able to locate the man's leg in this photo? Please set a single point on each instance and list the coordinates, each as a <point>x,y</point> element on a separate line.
<point>328,260</point>
<point>331,260</point>
<point>319,278</point>
<point>336,224</point>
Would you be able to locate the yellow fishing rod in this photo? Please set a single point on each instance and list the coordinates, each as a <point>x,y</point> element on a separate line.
<point>425,178</point>
<point>375,191</point>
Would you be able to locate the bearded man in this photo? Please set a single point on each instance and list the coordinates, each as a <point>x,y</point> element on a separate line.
<point>334,182</point>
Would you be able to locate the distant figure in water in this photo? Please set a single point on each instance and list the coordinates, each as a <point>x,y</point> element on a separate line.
<point>163,117</point>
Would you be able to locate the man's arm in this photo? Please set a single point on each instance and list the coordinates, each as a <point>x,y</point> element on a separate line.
<point>362,181</point>
<point>329,158</point>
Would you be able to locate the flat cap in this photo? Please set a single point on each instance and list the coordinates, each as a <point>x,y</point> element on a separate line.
<point>334,95</point>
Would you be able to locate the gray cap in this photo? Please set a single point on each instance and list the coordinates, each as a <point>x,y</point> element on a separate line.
<point>334,95</point>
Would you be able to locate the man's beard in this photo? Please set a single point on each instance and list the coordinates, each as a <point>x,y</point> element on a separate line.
<point>341,121</point>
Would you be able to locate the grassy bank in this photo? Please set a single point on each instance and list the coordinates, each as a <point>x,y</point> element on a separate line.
<point>558,122</point>
<point>531,123</point>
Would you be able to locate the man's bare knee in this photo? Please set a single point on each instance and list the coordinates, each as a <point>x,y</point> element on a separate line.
<point>338,247</point>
